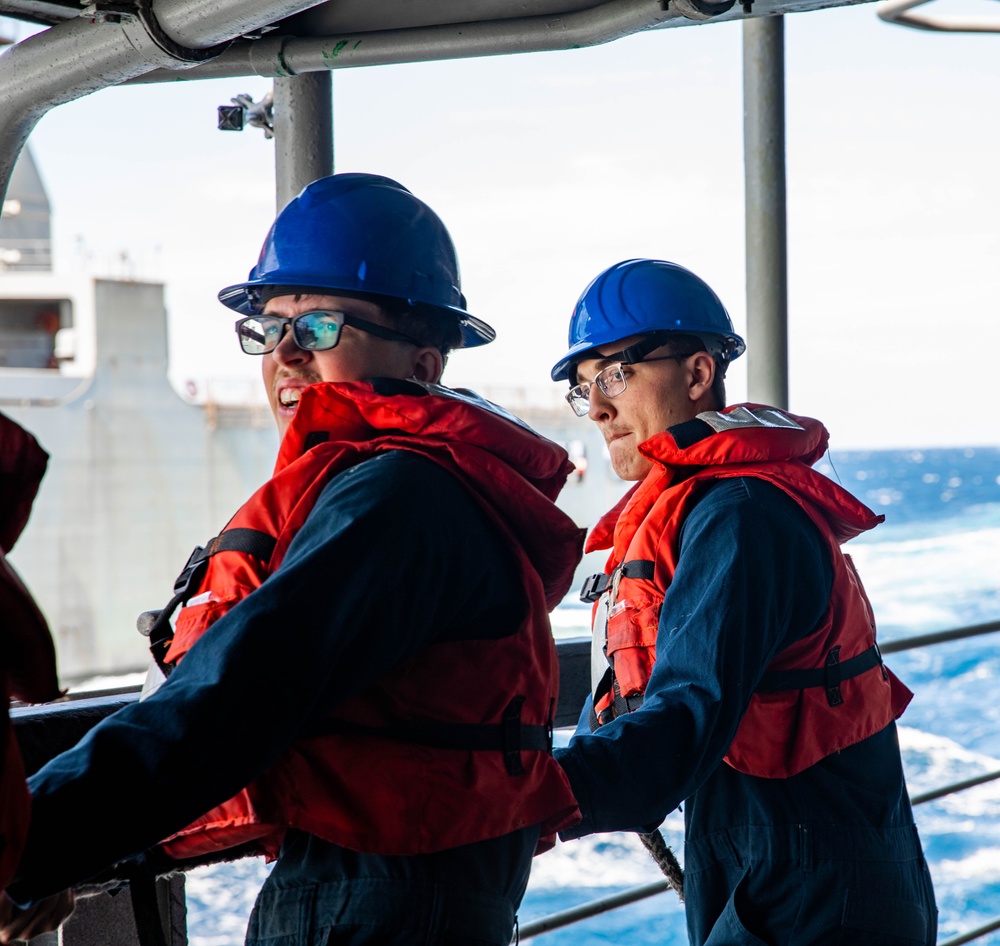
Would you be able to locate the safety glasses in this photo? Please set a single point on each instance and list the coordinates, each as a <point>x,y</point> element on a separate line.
<point>610,382</point>
<point>318,330</point>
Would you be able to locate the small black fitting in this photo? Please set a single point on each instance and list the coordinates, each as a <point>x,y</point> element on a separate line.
<point>232,117</point>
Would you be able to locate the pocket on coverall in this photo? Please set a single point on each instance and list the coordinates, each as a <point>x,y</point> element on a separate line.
<point>729,929</point>
<point>863,918</point>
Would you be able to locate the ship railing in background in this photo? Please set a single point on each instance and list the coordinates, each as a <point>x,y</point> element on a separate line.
<point>43,731</point>
<point>574,658</point>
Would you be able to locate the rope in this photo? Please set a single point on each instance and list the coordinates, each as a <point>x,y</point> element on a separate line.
<point>665,860</point>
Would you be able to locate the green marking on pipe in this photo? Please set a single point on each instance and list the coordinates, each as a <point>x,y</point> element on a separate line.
<point>335,52</point>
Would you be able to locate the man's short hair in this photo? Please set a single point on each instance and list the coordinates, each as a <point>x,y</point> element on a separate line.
<point>432,327</point>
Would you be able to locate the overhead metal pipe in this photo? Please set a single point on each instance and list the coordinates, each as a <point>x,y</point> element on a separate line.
<point>208,22</point>
<point>279,56</point>
<point>766,230</point>
<point>303,133</point>
<point>88,53</point>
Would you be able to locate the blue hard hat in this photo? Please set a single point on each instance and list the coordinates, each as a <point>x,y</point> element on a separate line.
<point>361,233</point>
<point>639,296</point>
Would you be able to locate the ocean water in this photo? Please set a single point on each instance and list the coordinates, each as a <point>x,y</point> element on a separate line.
<point>934,564</point>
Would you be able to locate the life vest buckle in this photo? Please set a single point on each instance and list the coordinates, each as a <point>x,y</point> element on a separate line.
<point>832,677</point>
<point>594,586</point>
<point>510,736</point>
<point>881,665</point>
<point>191,571</point>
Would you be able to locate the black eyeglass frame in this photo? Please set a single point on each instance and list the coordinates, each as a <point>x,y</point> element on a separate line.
<point>633,355</point>
<point>341,318</point>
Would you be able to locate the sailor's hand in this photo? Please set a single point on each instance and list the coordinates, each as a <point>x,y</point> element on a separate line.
<point>43,917</point>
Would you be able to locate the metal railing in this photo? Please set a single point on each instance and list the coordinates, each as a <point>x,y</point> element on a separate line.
<point>572,650</point>
<point>45,730</point>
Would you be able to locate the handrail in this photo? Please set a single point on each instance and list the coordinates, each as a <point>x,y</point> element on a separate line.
<point>77,714</point>
<point>584,911</point>
<point>939,637</point>
<point>970,935</point>
<point>954,787</point>
<point>574,650</point>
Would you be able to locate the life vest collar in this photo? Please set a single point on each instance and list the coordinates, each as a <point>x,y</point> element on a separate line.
<point>741,435</point>
<point>360,410</point>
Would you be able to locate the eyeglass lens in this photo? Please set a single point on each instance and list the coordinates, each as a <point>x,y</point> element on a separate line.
<point>610,381</point>
<point>313,331</point>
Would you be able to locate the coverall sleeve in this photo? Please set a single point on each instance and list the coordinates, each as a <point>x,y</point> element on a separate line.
<point>752,577</point>
<point>395,555</point>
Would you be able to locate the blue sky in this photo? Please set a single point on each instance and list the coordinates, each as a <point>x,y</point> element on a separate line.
<point>549,167</point>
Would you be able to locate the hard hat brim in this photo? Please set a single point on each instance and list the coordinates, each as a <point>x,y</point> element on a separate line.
<point>579,351</point>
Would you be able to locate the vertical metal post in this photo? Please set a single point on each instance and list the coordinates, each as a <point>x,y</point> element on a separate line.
<point>766,232</point>
<point>303,132</point>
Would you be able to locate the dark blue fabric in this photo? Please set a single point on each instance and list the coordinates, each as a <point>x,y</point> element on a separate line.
<point>319,894</point>
<point>395,555</point>
<point>753,576</point>
<point>809,884</point>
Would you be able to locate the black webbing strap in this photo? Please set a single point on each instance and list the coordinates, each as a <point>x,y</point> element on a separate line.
<point>619,706</point>
<point>145,907</point>
<point>600,691</point>
<point>627,704</point>
<point>596,585</point>
<point>250,541</point>
<point>510,736</point>
<point>829,676</point>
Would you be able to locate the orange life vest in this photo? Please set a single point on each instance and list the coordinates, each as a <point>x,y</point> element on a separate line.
<point>29,669</point>
<point>819,695</point>
<point>458,735</point>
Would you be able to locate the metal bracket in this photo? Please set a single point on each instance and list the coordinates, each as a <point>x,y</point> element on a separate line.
<point>109,12</point>
<point>702,9</point>
<point>245,111</point>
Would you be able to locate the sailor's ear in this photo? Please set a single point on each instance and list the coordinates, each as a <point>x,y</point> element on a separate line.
<point>701,375</point>
<point>428,364</point>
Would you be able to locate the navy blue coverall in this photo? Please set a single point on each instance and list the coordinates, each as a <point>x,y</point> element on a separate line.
<point>425,565</point>
<point>829,856</point>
